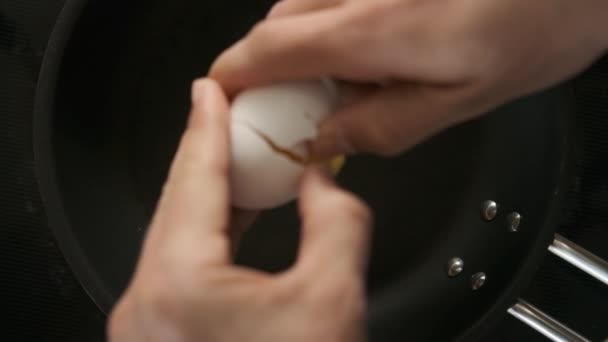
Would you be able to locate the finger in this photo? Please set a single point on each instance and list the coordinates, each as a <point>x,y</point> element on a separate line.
<point>289,7</point>
<point>390,120</point>
<point>195,198</point>
<point>311,45</point>
<point>241,221</point>
<point>335,230</point>
<point>351,92</point>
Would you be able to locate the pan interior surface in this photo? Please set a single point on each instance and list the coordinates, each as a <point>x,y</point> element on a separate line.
<point>114,114</point>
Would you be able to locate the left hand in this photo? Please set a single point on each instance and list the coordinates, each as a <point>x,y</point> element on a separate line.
<point>440,62</point>
<point>186,288</point>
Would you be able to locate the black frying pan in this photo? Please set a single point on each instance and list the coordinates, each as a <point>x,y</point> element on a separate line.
<point>113,99</point>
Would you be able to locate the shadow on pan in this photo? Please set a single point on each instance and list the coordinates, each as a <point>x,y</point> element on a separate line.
<point>113,99</point>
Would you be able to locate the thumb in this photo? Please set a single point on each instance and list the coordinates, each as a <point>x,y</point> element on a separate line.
<point>389,120</point>
<point>241,220</point>
<point>335,230</point>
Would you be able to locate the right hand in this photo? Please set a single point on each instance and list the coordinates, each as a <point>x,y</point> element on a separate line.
<point>186,286</point>
<point>446,61</point>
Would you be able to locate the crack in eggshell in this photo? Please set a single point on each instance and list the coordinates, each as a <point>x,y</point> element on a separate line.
<point>288,127</point>
<point>335,164</point>
<point>290,154</point>
<point>288,114</point>
<point>307,130</point>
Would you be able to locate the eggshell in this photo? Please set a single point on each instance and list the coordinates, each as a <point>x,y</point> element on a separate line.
<point>261,178</point>
<point>288,114</point>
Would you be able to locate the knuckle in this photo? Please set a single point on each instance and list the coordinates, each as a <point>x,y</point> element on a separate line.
<point>259,43</point>
<point>265,40</point>
<point>357,210</point>
<point>385,140</point>
<point>262,35</point>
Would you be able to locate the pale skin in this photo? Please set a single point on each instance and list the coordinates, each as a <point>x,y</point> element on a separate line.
<point>440,62</point>
<point>413,68</point>
<point>186,287</point>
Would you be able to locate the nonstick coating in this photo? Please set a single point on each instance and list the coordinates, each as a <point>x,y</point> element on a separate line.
<point>112,101</point>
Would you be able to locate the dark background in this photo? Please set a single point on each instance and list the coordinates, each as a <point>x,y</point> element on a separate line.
<point>41,300</point>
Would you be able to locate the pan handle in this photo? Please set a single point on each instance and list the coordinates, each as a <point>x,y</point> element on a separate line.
<point>545,324</point>
<point>580,258</point>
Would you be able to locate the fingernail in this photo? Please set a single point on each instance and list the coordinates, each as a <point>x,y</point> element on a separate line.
<point>200,88</point>
<point>204,103</point>
<point>206,97</point>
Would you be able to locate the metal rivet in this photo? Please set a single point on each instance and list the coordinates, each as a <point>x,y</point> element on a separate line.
<point>455,266</point>
<point>477,280</point>
<point>514,219</point>
<point>489,209</point>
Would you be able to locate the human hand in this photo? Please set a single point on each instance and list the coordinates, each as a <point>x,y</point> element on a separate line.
<point>185,287</point>
<point>440,62</point>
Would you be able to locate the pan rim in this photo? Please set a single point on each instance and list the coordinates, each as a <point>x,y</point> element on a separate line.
<point>44,162</point>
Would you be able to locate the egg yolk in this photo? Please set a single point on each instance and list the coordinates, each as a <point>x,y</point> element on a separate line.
<point>336,164</point>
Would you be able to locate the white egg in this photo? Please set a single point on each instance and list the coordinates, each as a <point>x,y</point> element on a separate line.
<point>270,128</point>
